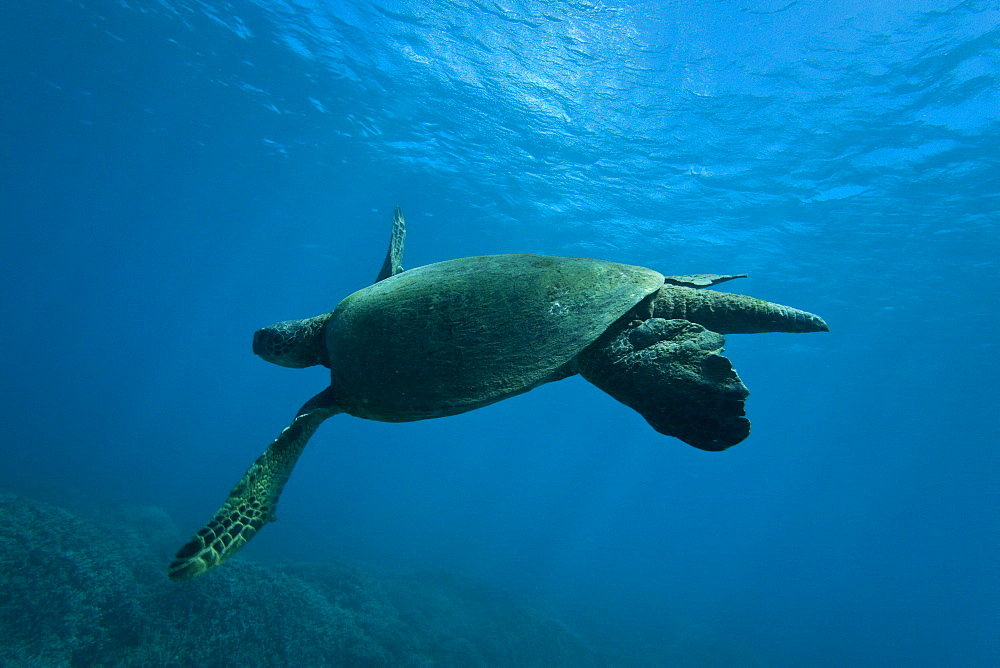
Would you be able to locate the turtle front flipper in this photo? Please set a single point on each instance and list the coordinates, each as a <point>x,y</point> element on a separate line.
<point>252,501</point>
<point>672,373</point>
<point>728,313</point>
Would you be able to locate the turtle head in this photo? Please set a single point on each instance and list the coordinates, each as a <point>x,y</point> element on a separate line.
<point>293,343</point>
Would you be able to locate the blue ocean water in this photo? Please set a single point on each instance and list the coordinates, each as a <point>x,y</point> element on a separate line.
<point>176,174</point>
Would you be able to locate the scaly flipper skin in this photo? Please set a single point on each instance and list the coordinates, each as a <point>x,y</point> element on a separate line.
<point>252,501</point>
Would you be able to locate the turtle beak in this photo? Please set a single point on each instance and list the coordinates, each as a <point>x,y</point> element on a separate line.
<point>271,344</point>
<point>264,341</point>
<point>295,344</point>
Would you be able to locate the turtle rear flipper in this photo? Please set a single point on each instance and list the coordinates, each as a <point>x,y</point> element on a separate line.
<point>394,256</point>
<point>672,373</point>
<point>252,501</point>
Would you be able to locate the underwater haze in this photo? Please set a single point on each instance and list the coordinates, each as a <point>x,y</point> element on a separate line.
<point>179,173</point>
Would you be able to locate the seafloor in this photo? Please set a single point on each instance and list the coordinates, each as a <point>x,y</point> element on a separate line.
<point>93,592</point>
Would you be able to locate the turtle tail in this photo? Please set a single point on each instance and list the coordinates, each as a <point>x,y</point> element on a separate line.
<point>252,501</point>
<point>727,313</point>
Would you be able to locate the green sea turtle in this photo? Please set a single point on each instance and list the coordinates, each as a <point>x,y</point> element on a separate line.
<point>457,335</point>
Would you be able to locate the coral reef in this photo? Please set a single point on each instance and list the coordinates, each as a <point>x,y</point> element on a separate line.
<point>74,593</point>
